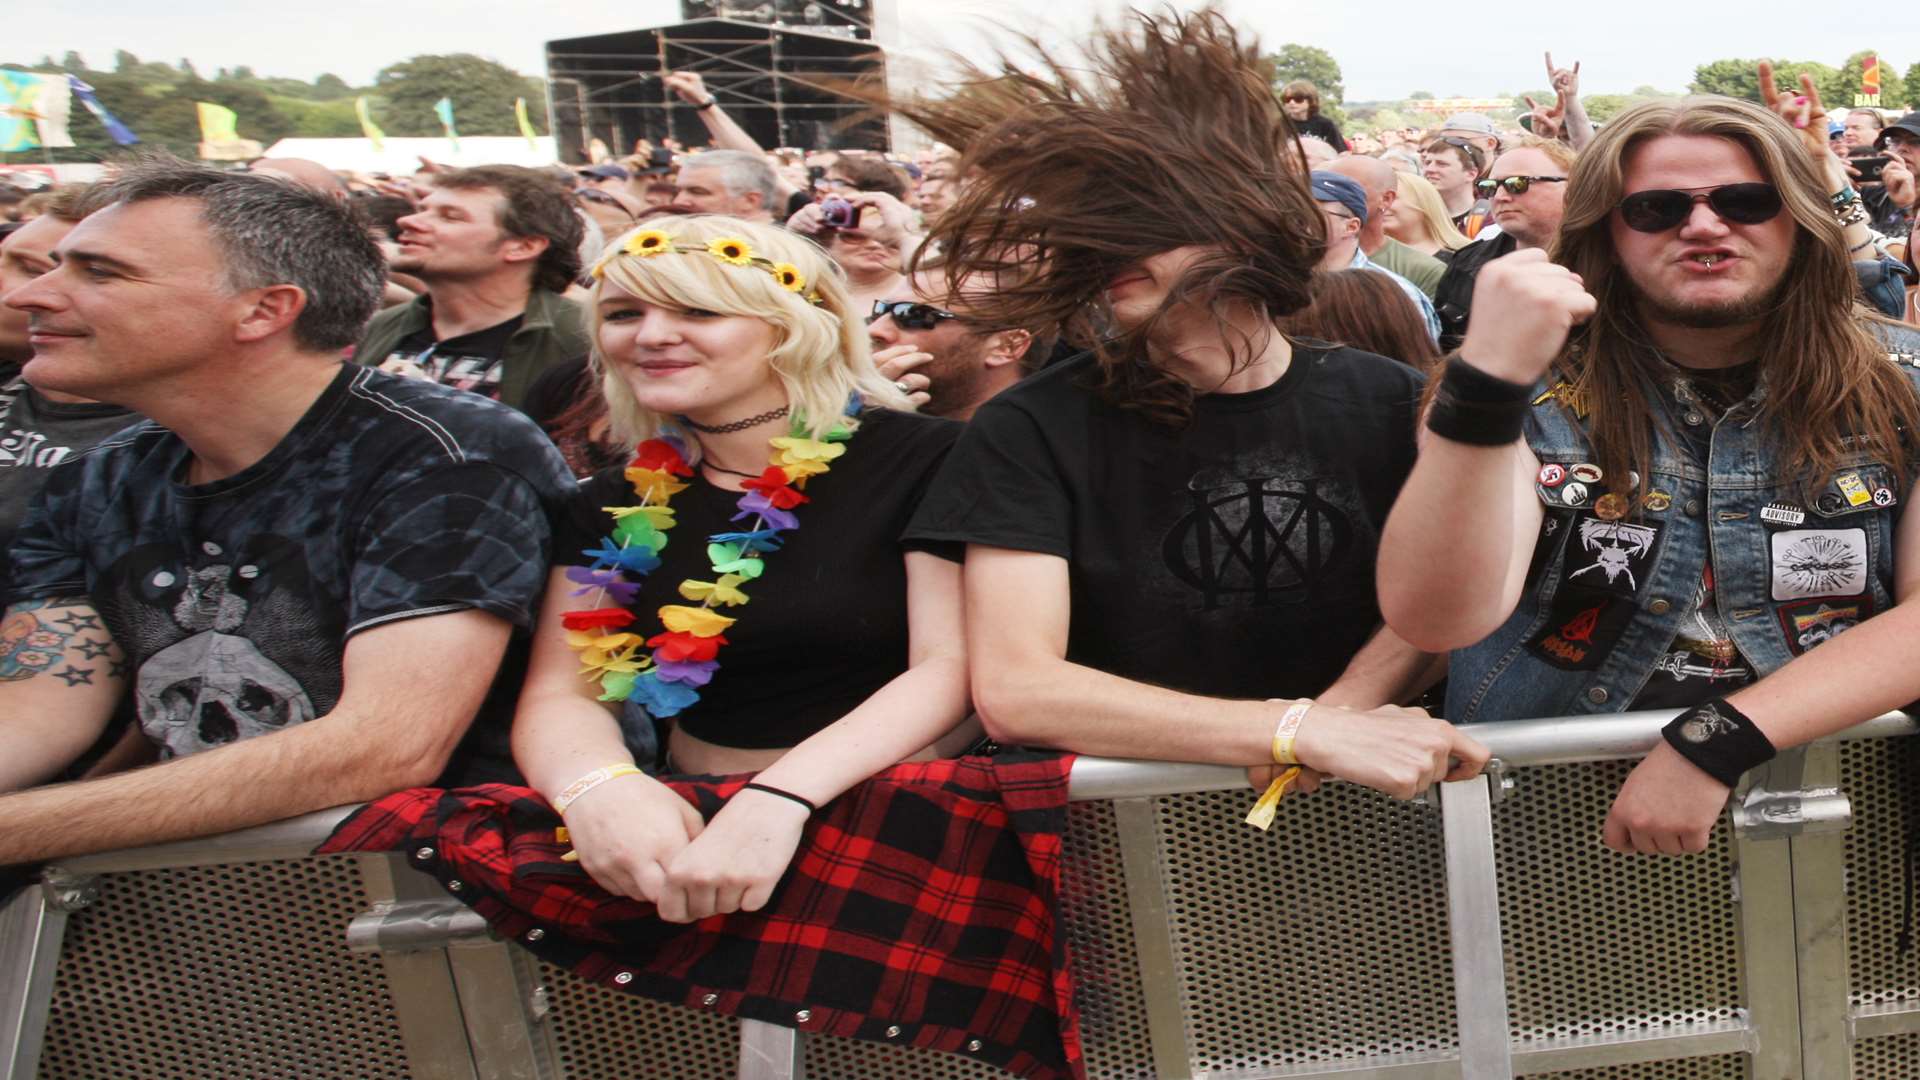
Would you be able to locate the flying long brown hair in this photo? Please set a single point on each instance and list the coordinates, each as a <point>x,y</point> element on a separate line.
<point>1830,388</point>
<point>1167,135</point>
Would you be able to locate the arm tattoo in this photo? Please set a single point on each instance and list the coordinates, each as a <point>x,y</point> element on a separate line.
<point>37,635</point>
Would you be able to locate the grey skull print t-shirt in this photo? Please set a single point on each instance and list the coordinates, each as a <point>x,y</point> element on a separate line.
<point>391,499</point>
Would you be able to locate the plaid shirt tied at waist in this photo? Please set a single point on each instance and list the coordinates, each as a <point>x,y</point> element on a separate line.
<point>925,899</point>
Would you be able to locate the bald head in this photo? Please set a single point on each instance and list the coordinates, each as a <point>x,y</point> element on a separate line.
<point>308,174</point>
<point>1370,173</point>
<point>1377,179</point>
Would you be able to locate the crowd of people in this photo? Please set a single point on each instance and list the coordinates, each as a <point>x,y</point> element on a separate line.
<point>1145,416</point>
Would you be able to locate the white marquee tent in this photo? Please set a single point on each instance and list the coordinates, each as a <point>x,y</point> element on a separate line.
<point>402,156</point>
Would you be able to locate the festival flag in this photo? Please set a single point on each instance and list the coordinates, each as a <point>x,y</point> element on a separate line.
<point>1870,76</point>
<point>526,125</point>
<point>367,127</point>
<point>218,124</point>
<point>444,110</point>
<point>33,111</point>
<point>116,130</point>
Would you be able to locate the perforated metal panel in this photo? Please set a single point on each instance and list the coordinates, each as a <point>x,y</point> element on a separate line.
<point>1323,940</point>
<point>1880,781</point>
<point>1106,967</point>
<point>1599,942</point>
<point>222,971</point>
<point>1884,1059</point>
<point>602,1034</point>
<point>1727,1067</point>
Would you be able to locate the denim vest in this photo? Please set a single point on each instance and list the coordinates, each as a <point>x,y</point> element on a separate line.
<point>1604,600</point>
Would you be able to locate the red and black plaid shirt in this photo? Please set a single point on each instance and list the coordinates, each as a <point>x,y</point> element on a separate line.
<point>925,898</point>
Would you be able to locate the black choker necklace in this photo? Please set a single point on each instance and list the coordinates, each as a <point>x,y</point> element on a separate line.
<point>737,425</point>
<point>705,464</point>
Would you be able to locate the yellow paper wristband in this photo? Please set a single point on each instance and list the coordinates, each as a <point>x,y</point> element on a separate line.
<point>594,779</point>
<point>1261,816</point>
<point>1284,732</point>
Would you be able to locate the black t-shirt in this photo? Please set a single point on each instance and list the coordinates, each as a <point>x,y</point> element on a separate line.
<point>37,434</point>
<point>1323,128</point>
<point>391,499</point>
<point>468,362</point>
<point>826,625</point>
<point>1234,556</point>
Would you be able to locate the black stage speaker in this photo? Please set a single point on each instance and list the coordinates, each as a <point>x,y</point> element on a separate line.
<point>775,81</point>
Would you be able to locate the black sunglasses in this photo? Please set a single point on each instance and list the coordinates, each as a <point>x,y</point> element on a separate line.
<point>1662,209</point>
<point>1515,185</point>
<point>909,315</point>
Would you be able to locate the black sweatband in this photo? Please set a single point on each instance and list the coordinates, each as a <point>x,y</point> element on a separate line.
<point>1476,408</point>
<point>752,786</point>
<point>1720,740</point>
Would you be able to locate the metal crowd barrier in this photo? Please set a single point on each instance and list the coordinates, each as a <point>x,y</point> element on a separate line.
<point>1481,934</point>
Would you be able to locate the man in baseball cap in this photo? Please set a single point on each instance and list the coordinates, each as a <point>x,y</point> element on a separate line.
<point>1343,203</point>
<point>606,176</point>
<point>1900,141</point>
<point>1476,128</point>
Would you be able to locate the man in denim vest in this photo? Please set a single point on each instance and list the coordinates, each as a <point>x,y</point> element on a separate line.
<point>1662,471</point>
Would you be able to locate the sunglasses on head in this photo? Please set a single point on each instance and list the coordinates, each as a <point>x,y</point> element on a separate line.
<point>908,315</point>
<point>1662,209</point>
<point>1515,185</point>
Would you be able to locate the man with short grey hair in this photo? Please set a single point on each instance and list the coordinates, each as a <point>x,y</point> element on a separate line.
<point>1378,180</point>
<point>731,182</point>
<point>303,573</point>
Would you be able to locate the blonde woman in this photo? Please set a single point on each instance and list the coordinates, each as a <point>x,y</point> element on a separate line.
<point>784,630</point>
<point>1418,219</point>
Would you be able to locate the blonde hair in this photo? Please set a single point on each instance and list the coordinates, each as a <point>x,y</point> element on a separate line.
<point>1561,154</point>
<point>820,353</point>
<point>1422,196</point>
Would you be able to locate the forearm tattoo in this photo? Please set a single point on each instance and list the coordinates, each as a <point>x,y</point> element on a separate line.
<point>60,636</point>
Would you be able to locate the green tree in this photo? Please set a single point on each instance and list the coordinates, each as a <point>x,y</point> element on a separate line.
<point>125,62</point>
<point>1741,79</point>
<point>1906,91</point>
<point>482,91</point>
<point>73,62</point>
<point>1314,64</point>
<point>330,85</point>
<point>1420,95</point>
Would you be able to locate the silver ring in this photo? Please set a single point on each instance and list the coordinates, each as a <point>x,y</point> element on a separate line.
<point>901,385</point>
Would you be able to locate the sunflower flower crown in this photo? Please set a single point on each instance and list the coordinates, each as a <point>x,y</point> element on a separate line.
<point>732,250</point>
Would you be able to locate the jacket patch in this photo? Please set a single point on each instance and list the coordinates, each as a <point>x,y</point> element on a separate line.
<point>1819,562</point>
<point>1812,622</point>
<point>1613,555</point>
<point>1582,628</point>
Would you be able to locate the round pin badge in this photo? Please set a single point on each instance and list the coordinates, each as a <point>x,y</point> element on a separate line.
<point>1829,503</point>
<point>1610,507</point>
<point>1585,473</point>
<point>1551,475</point>
<point>1657,501</point>
<point>1882,497</point>
<point>1574,494</point>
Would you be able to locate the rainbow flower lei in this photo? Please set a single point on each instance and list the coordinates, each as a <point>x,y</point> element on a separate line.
<point>665,680</point>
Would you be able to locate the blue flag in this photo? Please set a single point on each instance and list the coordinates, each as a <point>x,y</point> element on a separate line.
<point>119,131</point>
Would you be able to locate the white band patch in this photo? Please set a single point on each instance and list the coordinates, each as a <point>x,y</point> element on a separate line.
<point>1819,562</point>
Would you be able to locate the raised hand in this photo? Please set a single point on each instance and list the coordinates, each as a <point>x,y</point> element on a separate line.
<point>1801,111</point>
<point>1565,81</point>
<point>1899,181</point>
<point>1546,122</point>
<point>1524,308</point>
<point>688,85</point>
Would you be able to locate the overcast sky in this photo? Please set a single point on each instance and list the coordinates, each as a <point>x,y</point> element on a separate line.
<point>1386,48</point>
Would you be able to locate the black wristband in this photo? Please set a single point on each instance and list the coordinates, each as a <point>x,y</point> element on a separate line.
<point>753,786</point>
<point>1720,740</point>
<point>1476,408</point>
<point>1464,382</point>
<point>705,105</point>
